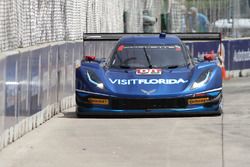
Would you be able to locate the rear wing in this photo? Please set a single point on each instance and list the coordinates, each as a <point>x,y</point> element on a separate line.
<point>182,36</point>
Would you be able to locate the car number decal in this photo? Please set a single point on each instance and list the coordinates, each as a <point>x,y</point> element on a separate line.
<point>154,71</point>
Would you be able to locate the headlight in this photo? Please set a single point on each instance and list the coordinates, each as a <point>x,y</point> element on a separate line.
<point>92,77</point>
<point>202,80</point>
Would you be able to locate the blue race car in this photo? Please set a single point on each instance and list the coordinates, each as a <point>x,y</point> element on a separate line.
<point>147,74</point>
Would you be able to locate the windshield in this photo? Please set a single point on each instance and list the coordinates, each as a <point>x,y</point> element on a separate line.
<point>148,56</point>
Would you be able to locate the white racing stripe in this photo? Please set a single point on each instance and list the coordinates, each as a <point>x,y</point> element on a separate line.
<point>84,91</point>
<point>212,90</point>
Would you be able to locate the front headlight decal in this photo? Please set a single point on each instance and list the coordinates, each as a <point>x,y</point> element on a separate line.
<point>94,80</point>
<point>202,80</point>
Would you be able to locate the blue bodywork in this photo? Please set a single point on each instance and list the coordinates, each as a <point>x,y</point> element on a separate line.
<point>122,91</point>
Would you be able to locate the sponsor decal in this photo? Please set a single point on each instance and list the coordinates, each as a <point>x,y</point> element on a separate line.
<point>148,71</point>
<point>151,47</point>
<point>241,56</point>
<point>198,100</point>
<point>98,101</point>
<point>147,81</point>
<point>148,92</point>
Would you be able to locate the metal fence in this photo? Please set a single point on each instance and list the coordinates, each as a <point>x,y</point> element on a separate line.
<point>29,22</point>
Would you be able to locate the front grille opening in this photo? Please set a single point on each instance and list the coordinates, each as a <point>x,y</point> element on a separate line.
<point>123,103</point>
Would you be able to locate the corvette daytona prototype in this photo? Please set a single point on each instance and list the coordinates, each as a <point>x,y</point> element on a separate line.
<point>147,74</point>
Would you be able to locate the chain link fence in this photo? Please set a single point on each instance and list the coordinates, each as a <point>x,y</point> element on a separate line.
<point>29,22</point>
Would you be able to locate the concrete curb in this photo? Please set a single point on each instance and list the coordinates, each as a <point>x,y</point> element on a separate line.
<point>238,73</point>
<point>24,126</point>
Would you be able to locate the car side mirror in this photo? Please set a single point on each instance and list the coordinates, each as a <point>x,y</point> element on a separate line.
<point>94,58</point>
<point>89,58</point>
<point>209,57</point>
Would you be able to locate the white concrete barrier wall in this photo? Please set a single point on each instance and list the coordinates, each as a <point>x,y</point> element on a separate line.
<point>35,83</point>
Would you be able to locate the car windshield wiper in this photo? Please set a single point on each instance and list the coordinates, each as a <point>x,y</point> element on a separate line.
<point>146,54</point>
<point>175,66</point>
<point>125,66</point>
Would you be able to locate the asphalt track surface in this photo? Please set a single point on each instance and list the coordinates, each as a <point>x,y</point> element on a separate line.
<point>65,141</point>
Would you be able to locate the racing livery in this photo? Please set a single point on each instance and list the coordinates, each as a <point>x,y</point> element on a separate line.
<point>148,74</point>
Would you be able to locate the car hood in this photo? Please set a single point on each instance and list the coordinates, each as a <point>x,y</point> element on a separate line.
<point>127,82</point>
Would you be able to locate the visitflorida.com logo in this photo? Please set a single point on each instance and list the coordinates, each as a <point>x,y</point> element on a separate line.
<point>147,81</point>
